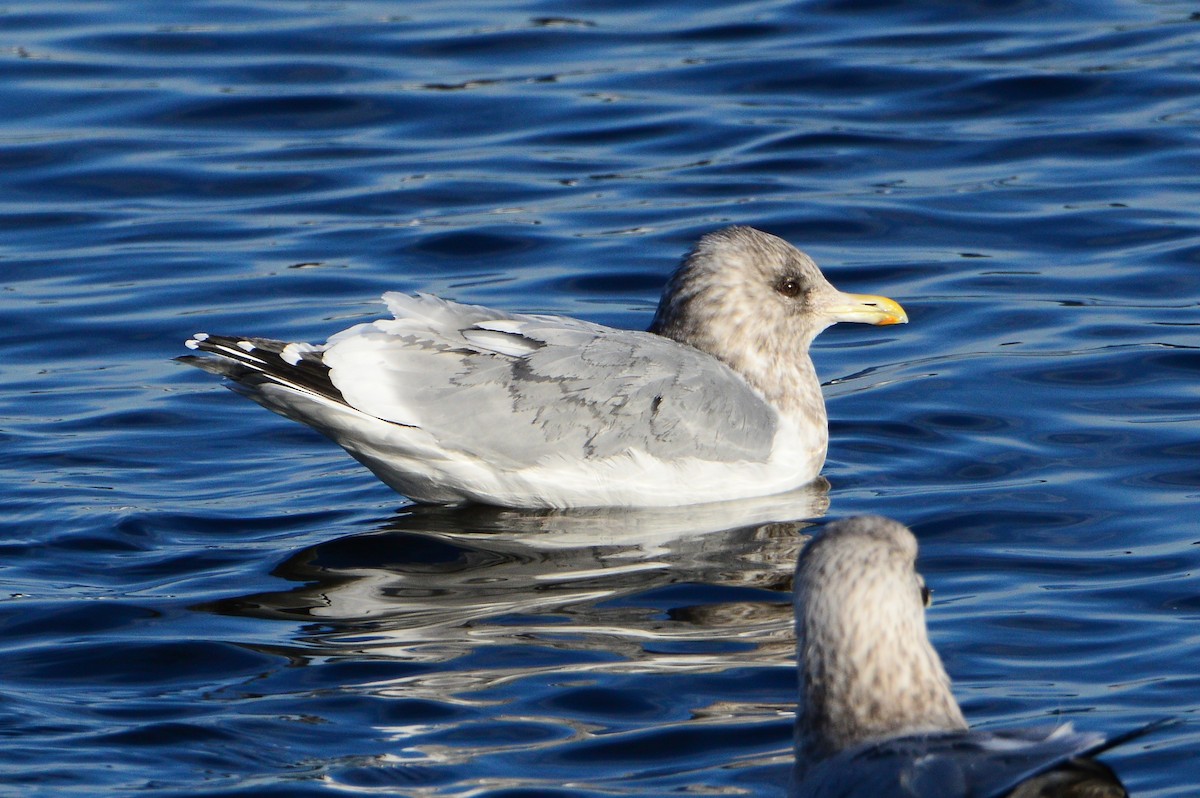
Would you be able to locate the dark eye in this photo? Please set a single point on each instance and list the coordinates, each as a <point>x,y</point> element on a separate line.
<point>789,287</point>
<point>926,596</point>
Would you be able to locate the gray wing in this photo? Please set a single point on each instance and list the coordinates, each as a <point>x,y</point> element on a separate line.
<point>519,389</point>
<point>961,764</point>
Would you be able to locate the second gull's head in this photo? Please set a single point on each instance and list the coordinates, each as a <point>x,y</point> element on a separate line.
<point>867,669</point>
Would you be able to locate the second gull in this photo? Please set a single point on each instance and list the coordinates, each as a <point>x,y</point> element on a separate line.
<point>876,715</point>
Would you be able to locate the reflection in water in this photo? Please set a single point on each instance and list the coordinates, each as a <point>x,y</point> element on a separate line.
<point>524,627</point>
<point>698,587</point>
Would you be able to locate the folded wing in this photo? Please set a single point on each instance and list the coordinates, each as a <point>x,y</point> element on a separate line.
<point>518,390</point>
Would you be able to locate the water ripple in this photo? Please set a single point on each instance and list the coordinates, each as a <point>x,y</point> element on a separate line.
<point>210,601</point>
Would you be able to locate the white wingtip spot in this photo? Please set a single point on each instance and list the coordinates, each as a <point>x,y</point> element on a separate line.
<point>245,346</point>
<point>193,343</point>
<point>292,353</point>
<point>200,337</point>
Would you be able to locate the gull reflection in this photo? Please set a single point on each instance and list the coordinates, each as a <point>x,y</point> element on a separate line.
<point>695,587</point>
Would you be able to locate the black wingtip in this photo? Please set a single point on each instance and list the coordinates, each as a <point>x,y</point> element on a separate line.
<point>252,362</point>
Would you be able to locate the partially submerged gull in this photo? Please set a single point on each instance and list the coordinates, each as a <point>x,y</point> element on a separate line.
<point>876,715</point>
<point>459,403</point>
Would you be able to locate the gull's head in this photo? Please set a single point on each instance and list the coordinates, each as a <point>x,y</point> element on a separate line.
<point>867,669</point>
<point>751,299</point>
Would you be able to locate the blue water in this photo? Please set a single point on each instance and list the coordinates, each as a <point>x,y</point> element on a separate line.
<point>201,598</point>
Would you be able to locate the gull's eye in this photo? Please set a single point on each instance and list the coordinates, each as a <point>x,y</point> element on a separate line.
<point>926,593</point>
<point>789,286</point>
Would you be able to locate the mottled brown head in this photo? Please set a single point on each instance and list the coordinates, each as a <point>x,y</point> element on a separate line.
<point>741,273</point>
<point>867,668</point>
<point>756,302</point>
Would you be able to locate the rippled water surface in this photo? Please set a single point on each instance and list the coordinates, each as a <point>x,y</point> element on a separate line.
<point>201,598</point>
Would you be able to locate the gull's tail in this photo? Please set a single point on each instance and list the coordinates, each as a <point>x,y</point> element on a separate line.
<point>253,363</point>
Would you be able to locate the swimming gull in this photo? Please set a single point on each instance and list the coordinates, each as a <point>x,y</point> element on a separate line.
<point>453,403</point>
<point>876,713</point>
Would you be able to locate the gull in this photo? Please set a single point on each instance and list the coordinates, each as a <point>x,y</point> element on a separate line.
<point>876,714</point>
<point>452,403</point>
